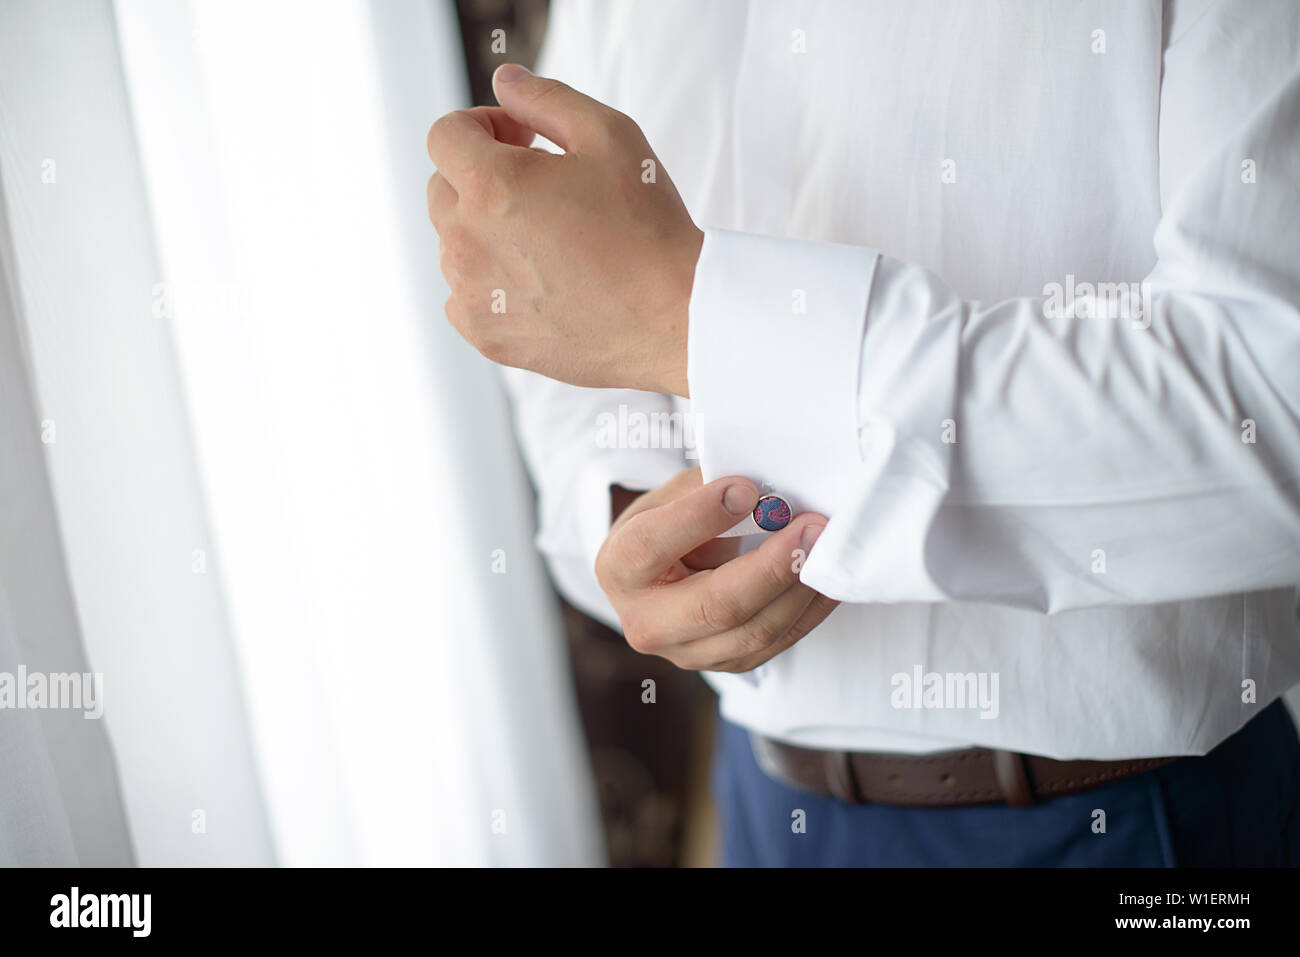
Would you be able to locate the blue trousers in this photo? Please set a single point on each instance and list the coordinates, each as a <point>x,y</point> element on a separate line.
<point>1234,807</point>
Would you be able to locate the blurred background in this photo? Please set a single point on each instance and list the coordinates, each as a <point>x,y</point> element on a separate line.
<point>250,475</point>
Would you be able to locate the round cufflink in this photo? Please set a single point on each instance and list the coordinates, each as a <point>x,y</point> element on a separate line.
<point>772,513</point>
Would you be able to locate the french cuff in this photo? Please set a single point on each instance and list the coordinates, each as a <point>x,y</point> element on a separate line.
<point>773,354</point>
<point>878,547</point>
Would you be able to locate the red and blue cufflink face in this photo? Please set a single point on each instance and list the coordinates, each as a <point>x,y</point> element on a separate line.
<point>772,513</point>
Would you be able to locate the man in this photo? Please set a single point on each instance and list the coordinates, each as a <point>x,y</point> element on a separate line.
<point>1002,301</point>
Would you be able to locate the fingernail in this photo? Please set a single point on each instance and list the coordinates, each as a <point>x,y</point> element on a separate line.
<point>810,536</point>
<point>509,72</point>
<point>740,499</point>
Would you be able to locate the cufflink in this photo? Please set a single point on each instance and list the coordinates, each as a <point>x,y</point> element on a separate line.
<point>772,513</point>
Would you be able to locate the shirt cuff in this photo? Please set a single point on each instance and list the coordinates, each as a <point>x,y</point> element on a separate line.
<point>774,351</point>
<point>879,547</point>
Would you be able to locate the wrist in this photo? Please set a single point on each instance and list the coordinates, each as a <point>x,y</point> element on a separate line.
<point>670,358</point>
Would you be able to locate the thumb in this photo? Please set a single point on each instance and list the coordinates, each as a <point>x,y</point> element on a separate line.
<point>564,116</point>
<point>683,483</point>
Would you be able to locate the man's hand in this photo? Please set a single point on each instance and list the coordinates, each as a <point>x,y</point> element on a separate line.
<point>683,594</point>
<point>578,266</point>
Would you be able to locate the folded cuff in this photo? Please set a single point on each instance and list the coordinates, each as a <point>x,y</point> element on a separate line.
<point>774,350</point>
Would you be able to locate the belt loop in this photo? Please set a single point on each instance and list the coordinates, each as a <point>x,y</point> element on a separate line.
<point>1013,778</point>
<point>840,780</point>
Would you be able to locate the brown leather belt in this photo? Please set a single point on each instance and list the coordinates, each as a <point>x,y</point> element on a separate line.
<point>942,779</point>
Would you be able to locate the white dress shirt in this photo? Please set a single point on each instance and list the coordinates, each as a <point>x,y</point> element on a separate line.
<point>896,322</point>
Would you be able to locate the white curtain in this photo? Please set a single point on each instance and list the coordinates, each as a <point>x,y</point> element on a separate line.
<point>295,525</point>
<point>59,798</point>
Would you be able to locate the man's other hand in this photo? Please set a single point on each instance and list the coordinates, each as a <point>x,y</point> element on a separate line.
<point>578,266</point>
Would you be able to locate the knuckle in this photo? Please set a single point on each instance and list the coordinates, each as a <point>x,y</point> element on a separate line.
<point>604,571</point>
<point>475,332</point>
<point>453,258</point>
<point>732,667</point>
<point>754,637</point>
<point>493,348</point>
<point>440,131</point>
<point>430,191</point>
<point>453,236</point>
<point>642,633</point>
<point>636,552</point>
<point>800,630</point>
<point>775,573</point>
<point>624,126</point>
<point>614,128</point>
<point>719,611</point>
<point>813,616</point>
<point>460,319</point>
<point>548,89</point>
<point>636,640</point>
<point>465,322</point>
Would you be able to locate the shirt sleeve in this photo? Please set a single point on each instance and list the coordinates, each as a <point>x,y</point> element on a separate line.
<point>576,443</point>
<point>1133,444</point>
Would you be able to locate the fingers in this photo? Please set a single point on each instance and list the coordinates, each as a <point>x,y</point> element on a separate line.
<point>776,624</point>
<point>685,595</point>
<point>685,481</point>
<point>503,127</point>
<point>441,198</point>
<point>460,141</point>
<point>569,119</point>
<point>750,638</point>
<point>733,594</point>
<point>814,613</point>
<point>649,543</point>
<point>709,555</point>
<point>474,149</point>
<point>712,554</point>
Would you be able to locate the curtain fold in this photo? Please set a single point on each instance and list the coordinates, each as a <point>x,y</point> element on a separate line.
<point>59,797</point>
<point>108,408</point>
<point>283,499</point>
